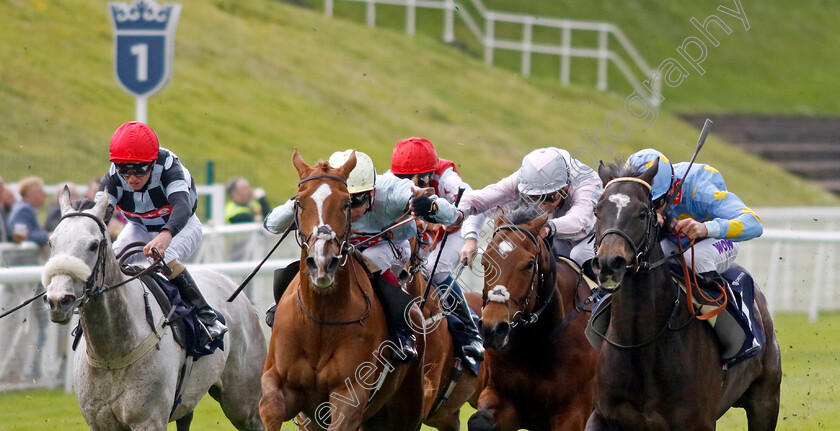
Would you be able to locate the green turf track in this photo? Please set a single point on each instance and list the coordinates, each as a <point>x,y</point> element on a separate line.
<point>809,398</point>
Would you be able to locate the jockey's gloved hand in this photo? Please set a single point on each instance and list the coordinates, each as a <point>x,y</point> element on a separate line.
<point>423,206</point>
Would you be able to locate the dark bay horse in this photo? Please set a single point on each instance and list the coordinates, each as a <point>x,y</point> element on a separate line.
<point>539,370</point>
<point>660,368</point>
<point>329,353</point>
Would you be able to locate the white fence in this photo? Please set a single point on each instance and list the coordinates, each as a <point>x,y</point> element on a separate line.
<point>563,49</point>
<point>793,262</point>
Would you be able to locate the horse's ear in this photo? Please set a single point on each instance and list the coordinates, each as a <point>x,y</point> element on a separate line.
<point>64,200</point>
<point>605,173</point>
<point>649,174</point>
<point>300,165</point>
<point>537,224</point>
<point>348,166</point>
<point>500,216</point>
<point>101,207</point>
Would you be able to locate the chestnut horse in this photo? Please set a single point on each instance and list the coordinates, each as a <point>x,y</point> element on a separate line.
<point>660,368</point>
<point>329,353</point>
<point>539,369</point>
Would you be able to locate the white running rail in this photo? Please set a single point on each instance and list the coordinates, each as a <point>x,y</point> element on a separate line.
<point>486,35</point>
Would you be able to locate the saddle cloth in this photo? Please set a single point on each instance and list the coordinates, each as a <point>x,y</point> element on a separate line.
<point>184,320</point>
<point>738,329</point>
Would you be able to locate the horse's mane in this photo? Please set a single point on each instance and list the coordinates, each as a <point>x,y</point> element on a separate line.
<point>522,213</point>
<point>86,204</point>
<point>619,168</point>
<point>323,165</point>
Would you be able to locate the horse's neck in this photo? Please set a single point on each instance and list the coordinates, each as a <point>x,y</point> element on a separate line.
<point>333,305</point>
<point>114,323</point>
<point>644,303</point>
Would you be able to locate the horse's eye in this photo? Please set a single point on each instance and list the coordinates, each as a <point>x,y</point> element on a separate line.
<point>93,246</point>
<point>643,215</point>
<point>529,266</point>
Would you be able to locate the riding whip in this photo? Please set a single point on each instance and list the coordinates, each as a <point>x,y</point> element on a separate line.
<point>707,126</point>
<point>437,259</point>
<point>23,304</point>
<point>257,269</point>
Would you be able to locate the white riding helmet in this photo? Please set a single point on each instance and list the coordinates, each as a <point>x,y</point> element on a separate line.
<point>543,171</point>
<point>362,177</point>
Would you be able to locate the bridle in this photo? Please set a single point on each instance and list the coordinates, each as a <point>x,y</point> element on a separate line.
<point>520,316</point>
<point>641,250</point>
<point>93,289</point>
<point>324,232</point>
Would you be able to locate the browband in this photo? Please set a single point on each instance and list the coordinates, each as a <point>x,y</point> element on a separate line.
<point>633,179</point>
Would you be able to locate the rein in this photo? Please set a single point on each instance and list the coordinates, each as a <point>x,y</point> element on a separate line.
<point>528,318</point>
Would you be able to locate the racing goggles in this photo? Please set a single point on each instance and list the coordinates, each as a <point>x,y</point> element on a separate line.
<point>423,179</point>
<point>548,198</point>
<point>136,169</point>
<point>359,199</point>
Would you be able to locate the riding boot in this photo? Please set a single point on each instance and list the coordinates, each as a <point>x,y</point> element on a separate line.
<point>190,293</point>
<point>395,302</point>
<point>456,304</point>
<point>282,278</point>
<point>710,280</point>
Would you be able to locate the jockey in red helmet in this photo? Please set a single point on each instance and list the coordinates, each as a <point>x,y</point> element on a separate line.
<point>158,197</point>
<point>416,159</point>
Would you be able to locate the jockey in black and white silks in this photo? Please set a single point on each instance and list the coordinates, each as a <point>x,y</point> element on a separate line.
<point>158,197</point>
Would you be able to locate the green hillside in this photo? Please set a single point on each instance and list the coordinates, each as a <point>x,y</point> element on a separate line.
<point>254,79</point>
<point>784,63</point>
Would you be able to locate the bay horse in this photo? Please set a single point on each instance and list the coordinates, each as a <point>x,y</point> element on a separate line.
<point>126,373</point>
<point>539,369</point>
<point>660,367</point>
<point>329,349</point>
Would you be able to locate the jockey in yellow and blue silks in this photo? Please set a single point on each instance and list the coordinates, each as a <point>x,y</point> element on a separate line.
<point>703,210</point>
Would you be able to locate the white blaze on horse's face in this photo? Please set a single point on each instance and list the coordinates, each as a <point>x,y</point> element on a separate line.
<point>620,200</point>
<point>318,263</point>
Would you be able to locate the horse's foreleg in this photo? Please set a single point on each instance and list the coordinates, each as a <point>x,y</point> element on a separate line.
<point>183,423</point>
<point>272,403</point>
<point>596,422</point>
<point>495,413</point>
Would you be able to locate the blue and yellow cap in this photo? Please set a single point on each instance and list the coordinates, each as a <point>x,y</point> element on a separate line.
<point>643,160</point>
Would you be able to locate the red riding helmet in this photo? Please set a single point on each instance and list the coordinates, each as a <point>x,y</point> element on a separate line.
<point>134,142</point>
<point>414,156</point>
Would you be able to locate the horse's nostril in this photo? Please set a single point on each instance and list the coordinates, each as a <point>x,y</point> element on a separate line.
<point>310,263</point>
<point>596,264</point>
<point>333,265</point>
<point>618,263</point>
<point>66,301</point>
<point>502,329</point>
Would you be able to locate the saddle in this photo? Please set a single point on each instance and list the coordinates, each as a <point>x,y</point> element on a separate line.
<point>739,331</point>
<point>183,320</point>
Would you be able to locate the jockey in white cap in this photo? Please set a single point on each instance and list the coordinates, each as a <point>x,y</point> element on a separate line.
<point>376,203</point>
<point>556,183</point>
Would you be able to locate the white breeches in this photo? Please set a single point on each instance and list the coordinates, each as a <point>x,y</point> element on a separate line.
<point>183,245</point>
<point>710,254</point>
<point>382,255</point>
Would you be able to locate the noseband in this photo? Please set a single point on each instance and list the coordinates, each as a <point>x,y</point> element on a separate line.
<point>325,232</point>
<point>93,289</point>
<point>641,252</point>
<point>520,316</point>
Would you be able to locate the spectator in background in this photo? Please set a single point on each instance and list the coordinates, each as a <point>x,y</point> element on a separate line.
<point>4,215</point>
<point>245,205</point>
<point>118,220</point>
<point>23,220</point>
<point>54,212</point>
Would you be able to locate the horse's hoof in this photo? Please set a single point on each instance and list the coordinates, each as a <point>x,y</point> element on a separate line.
<point>481,420</point>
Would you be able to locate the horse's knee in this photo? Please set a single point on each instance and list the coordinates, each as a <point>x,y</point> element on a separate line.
<point>272,411</point>
<point>481,420</point>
